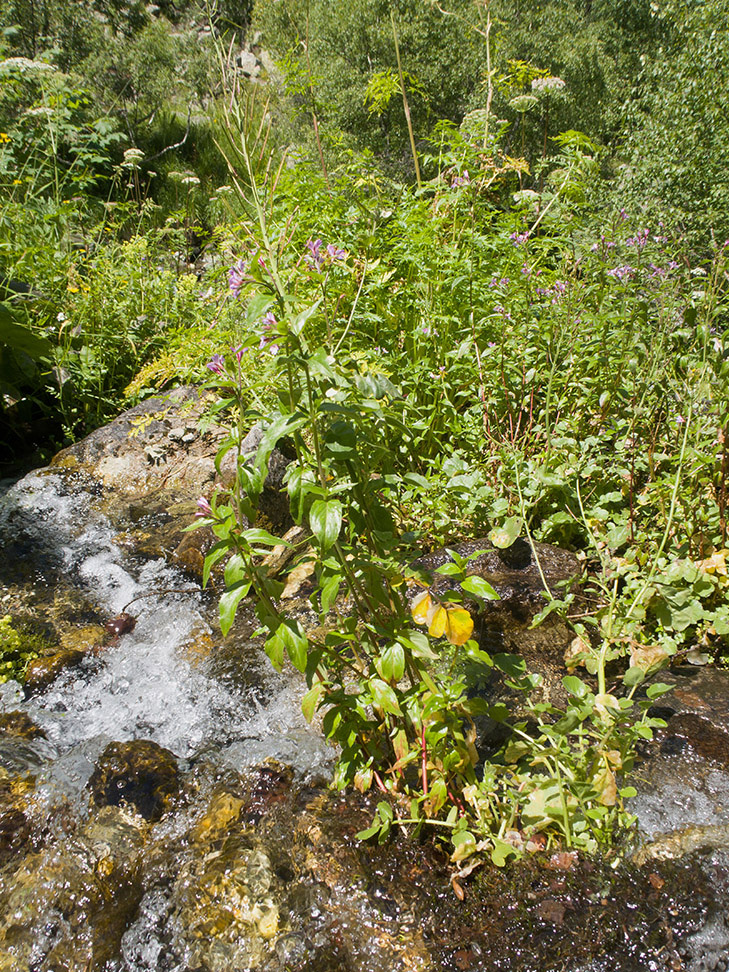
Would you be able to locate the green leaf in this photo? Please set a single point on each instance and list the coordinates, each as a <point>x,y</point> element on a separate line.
<point>329,592</point>
<point>274,648</point>
<point>575,686</point>
<point>280,426</point>
<point>263,536</point>
<point>480,587</point>
<point>229,604</point>
<point>464,844</point>
<point>657,689</point>
<point>325,520</point>
<point>310,701</point>
<point>503,536</point>
<point>384,697</point>
<point>512,665</point>
<point>298,322</point>
<point>419,644</point>
<point>501,852</point>
<point>392,662</point>
<point>295,642</point>
<point>257,307</point>
<point>341,438</point>
<point>235,570</point>
<point>215,554</point>
<point>370,832</point>
<point>633,676</point>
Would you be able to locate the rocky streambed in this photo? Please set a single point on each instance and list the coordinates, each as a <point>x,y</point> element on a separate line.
<point>164,805</point>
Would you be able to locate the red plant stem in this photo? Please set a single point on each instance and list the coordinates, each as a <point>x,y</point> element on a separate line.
<point>458,803</point>
<point>425,761</point>
<point>378,781</point>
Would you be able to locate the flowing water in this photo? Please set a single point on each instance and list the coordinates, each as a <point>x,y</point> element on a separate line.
<point>250,865</point>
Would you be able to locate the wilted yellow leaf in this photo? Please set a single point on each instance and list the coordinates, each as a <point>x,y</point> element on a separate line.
<point>647,656</point>
<point>715,564</point>
<point>459,626</point>
<point>576,653</point>
<point>606,785</point>
<point>438,622</point>
<point>453,622</point>
<point>421,607</point>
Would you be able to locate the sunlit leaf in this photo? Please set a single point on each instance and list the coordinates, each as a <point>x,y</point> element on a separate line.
<point>420,607</point>
<point>474,584</point>
<point>438,622</point>
<point>459,626</point>
<point>503,536</point>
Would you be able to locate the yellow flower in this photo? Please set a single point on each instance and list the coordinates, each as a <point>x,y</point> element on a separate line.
<point>4,137</point>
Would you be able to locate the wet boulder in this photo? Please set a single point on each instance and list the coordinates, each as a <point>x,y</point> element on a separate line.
<point>139,774</point>
<point>46,669</point>
<point>67,905</point>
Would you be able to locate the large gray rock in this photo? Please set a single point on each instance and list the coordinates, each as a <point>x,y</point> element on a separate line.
<point>153,462</point>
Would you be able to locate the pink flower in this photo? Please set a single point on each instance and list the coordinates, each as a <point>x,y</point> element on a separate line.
<point>217,364</point>
<point>237,277</point>
<point>315,258</point>
<point>204,508</point>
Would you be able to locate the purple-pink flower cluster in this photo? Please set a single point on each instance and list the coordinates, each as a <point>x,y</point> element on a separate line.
<point>519,238</point>
<point>317,259</point>
<point>217,364</point>
<point>237,277</point>
<point>461,180</point>
<point>603,245</point>
<point>622,273</point>
<point>639,240</point>
<point>268,323</point>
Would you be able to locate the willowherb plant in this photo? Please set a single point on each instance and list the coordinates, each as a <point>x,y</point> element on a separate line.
<point>392,696</point>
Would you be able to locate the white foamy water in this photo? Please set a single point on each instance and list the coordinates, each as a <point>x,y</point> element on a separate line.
<point>143,686</point>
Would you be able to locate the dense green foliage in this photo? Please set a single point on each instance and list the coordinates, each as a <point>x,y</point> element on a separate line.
<point>463,316</point>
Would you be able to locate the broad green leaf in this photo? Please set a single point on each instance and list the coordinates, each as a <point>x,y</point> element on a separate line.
<point>325,520</point>
<point>512,665</point>
<point>298,322</point>
<point>257,307</point>
<point>480,587</point>
<point>419,645</point>
<point>370,832</point>
<point>21,338</point>
<point>384,697</point>
<point>464,844</point>
<point>341,438</point>
<point>310,701</point>
<point>329,592</point>
<point>503,536</point>
<point>263,536</point>
<point>392,663</point>
<point>235,570</point>
<point>280,426</point>
<point>295,642</point>
<point>229,604</point>
<point>575,686</point>
<point>657,689</point>
<point>633,676</point>
<point>501,852</point>
<point>274,648</point>
<point>214,555</point>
